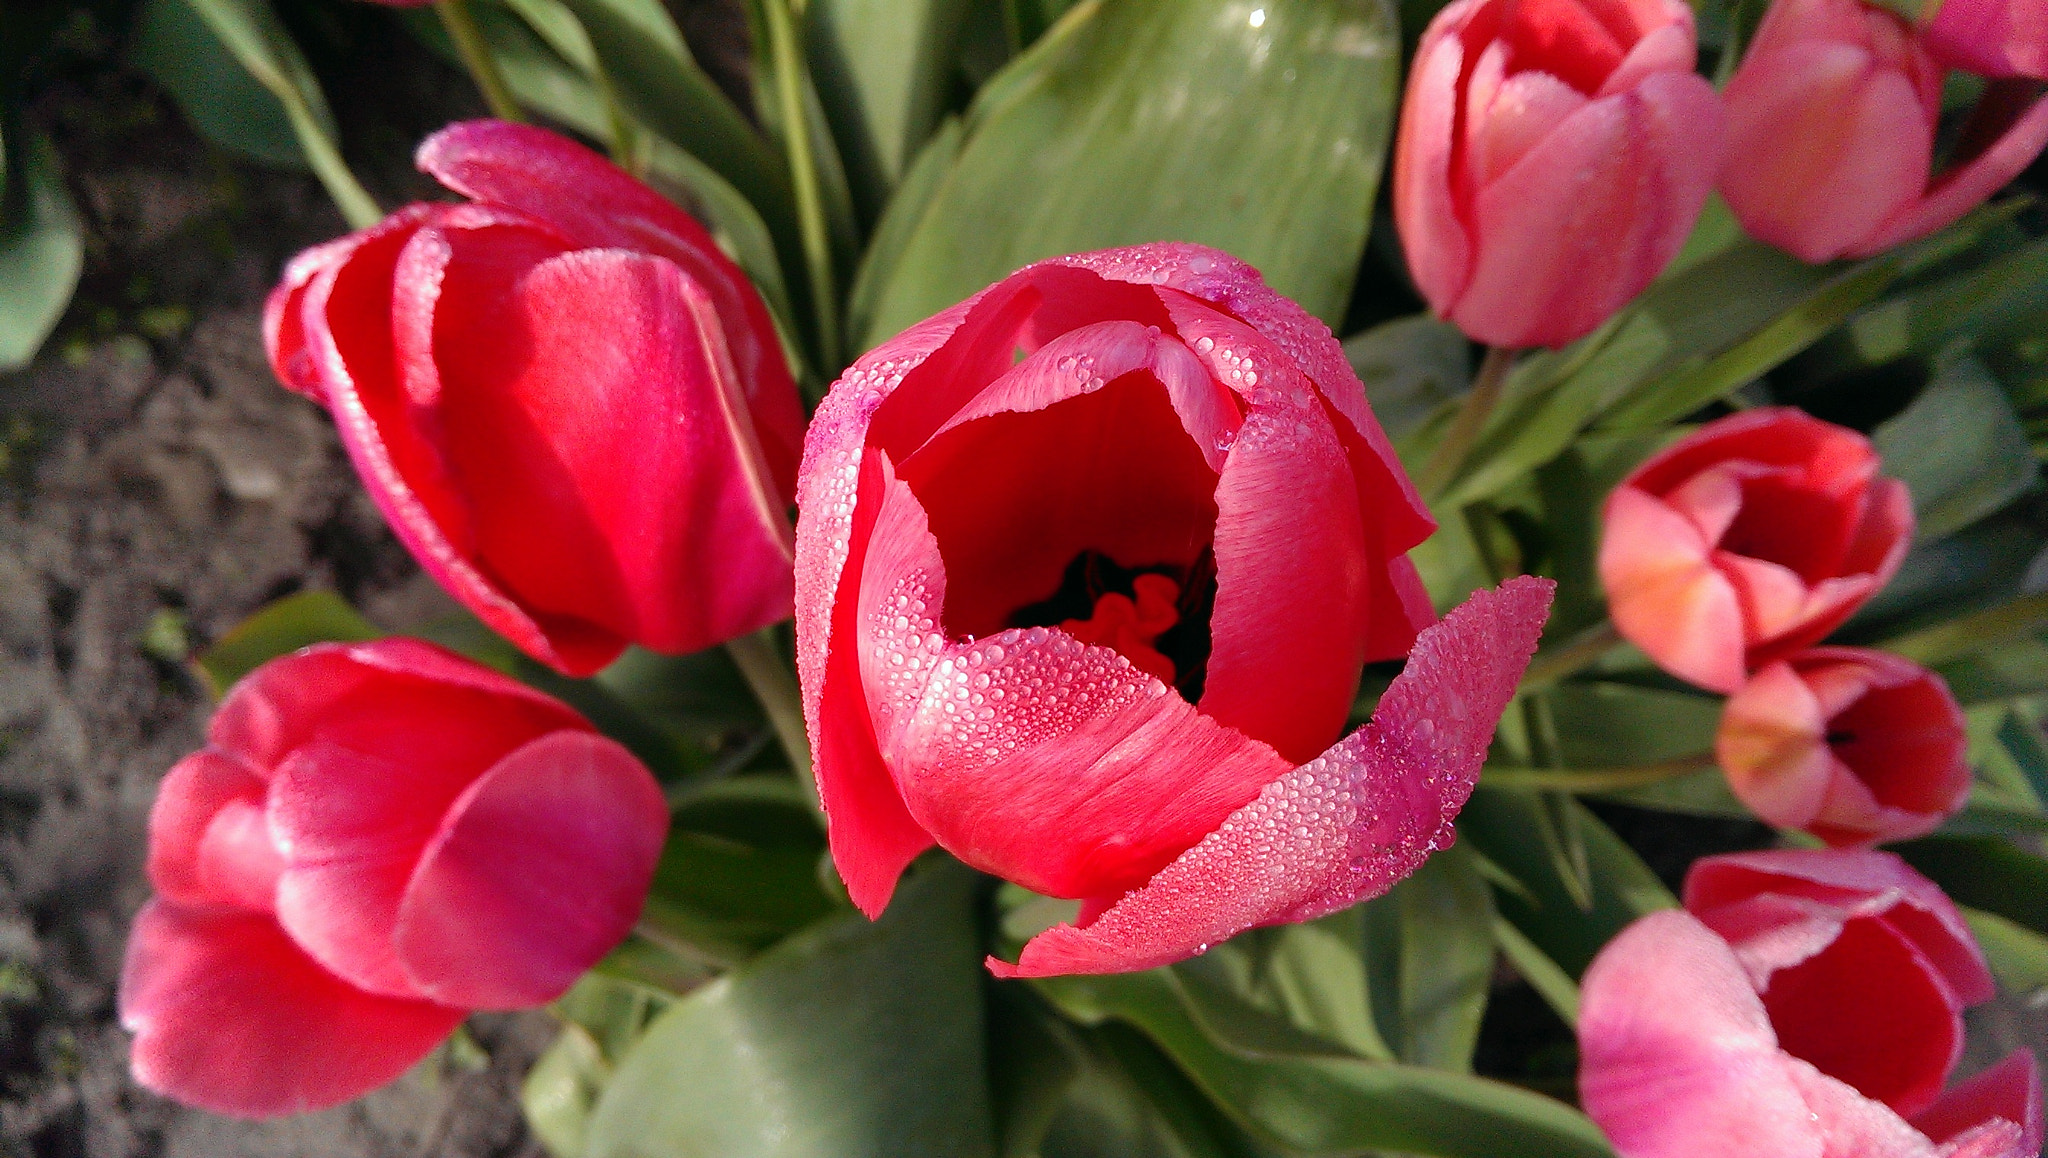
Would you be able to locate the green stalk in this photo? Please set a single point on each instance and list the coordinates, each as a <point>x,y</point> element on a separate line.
<point>1473,411</point>
<point>476,56</point>
<point>761,665</point>
<point>1596,779</point>
<point>1571,656</point>
<point>357,207</point>
<point>788,56</point>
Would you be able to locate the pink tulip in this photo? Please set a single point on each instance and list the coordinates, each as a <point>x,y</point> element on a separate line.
<point>569,404</point>
<point>1088,568</point>
<point>1748,541</point>
<point>1807,1004</point>
<point>1853,746</point>
<point>1553,156</point>
<point>377,839</point>
<point>1996,38</point>
<point>1831,124</point>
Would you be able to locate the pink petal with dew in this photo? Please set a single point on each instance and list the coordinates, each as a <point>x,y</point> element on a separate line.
<point>1341,828</point>
<point>229,1015</point>
<point>537,871</point>
<point>1677,1057</point>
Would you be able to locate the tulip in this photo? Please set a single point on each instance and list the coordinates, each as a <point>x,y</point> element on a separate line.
<point>1997,38</point>
<point>377,839</point>
<point>1806,1004</point>
<point>1748,541</point>
<point>1088,566</point>
<point>1853,746</point>
<point>1831,125</point>
<point>1553,155</point>
<point>568,403</point>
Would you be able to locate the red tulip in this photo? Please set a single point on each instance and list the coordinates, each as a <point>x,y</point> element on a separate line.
<point>1831,124</point>
<point>1998,38</point>
<point>377,839</point>
<point>1088,566</point>
<point>1806,1005</point>
<point>1552,158</point>
<point>1749,541</point>
<point>569,404</point>
<point>1853,746</point>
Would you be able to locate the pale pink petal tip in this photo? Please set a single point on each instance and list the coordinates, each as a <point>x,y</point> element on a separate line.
<point>230,1016</point>
<point>1340,829</point>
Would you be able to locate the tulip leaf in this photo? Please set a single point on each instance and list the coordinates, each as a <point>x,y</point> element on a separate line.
<point>1413,368</point>
<point>1987,563</point>
<point>847,1040</point>
<point>2005,285</point>
<point>280,628</point>
<point>259,42</point>
<point>1499,821</point>
<point>1327,1103</point>
<point>1984,872</point>
<point>174,45</point>
<point>42,250</point>
<point>1429,946</point>
<point>1959,448</point>
<point>1258,130</point>
<point>898,222</point>
<point>882,69</point>
<point>2018,956</point>
<point>1604,724</point>
<point>740,869</point>
<point>1702,793</point>
<point>601,1018</point>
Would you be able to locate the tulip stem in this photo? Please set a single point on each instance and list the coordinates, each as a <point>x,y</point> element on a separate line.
<point>761,664</point>
<point>1571,656</point>
<point>803,172</point>
<point>476,57</point>
<point>1470,419</point>
<point>1597,779</point>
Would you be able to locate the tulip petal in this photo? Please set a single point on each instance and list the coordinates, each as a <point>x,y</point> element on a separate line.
<point>1664,593</point>
<point>284,311</point>
<point>1588,218</point>
<point>1995,38</point>
<point>2009,1091</point>
<point>229,1015</point>
<point>1677,1057</point>
<point>1434,224</point>
<point>591,354</point>
<point>1773,746</point>
<point>596,203</point>
<point>1340,829</point>
<point>1958,191</point>
<point>1851,1125</point>
<point>188,801</point>
<point>538,870</point>
<point>1848,876</point>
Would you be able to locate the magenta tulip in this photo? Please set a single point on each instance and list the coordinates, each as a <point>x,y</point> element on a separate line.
<point>1749,540</point>
<point>1088,567</point>
<point>1553,156</point>
<point>1807,1004</point>
<point>377,839</point>
<point>569,404</point>
<point>1853,746</point>
<point>1831,127</point>
<point>1996,38</point>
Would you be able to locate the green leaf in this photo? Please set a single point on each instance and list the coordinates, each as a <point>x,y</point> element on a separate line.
<point>229,108</point>
<point>740,869</point>
<point>1430,945</point>
<point>1148,120</point>
<point>1545,976</point>
<point>850,1039</point>
<point>898,222</point>
<point>882,69</point>
<point>601,1018</point>
<point>280,628</point>
<point>1330,1104</point>
<point>1959,448</point>
<point>1984,872</point>
<point>2003,283</point>
<point>2018,955</point>
<point>1499,823</point>
<point>257,39</point>
<point>1703,793</point>
<point>1603,724</point>
<point>42,250</point>
<point>1413,369</point>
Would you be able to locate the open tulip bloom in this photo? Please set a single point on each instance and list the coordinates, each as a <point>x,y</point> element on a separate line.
<point>975,493</point>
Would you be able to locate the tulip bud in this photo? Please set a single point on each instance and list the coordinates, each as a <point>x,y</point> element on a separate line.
<point>1552,158</point>
<point>1995,38</point>
<point>1748,541</point>
<point>1831,135</point>
<point>1853,746</point>
<point>1088,568</point>
<point>1805,1002</point>
<point>377,839</point>
<point>569,404</point>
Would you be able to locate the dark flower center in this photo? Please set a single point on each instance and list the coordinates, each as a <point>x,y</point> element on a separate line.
<point>1156,617</point>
